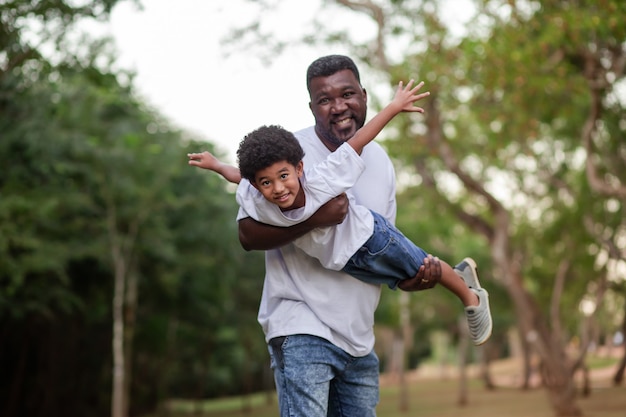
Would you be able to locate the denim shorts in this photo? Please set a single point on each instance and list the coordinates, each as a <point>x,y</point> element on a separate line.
<point>315,378</point>
<point>387,257</point>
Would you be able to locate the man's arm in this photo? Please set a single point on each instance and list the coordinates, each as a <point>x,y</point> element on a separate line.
<point>259,236</point>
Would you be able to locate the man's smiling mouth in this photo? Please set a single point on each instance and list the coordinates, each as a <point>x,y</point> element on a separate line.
<point>343,122</point>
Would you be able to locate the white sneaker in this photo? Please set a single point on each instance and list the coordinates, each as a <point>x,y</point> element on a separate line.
<point>478,317</point>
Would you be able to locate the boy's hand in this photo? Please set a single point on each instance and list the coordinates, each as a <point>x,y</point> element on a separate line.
<point>204,160</point>
<point>407,95</point>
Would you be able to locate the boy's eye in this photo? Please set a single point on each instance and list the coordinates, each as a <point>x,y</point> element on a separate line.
<point>265,183</point>
<point>323,101</point>
<point>283,176</point>
<point>348,94</point>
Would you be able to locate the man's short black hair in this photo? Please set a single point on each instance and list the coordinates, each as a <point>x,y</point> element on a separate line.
<point>264,147</point>
<point>329,65</point>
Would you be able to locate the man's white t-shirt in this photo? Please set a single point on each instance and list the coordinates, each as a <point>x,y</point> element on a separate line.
<point>332,246</point>
<point>300,296</point>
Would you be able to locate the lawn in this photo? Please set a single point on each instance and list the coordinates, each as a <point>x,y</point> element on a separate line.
<point>434,397</point>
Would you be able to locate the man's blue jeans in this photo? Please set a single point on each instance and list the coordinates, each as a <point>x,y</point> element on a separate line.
<point>315,378</point>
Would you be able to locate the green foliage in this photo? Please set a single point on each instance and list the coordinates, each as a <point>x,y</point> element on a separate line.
<point>86,164</point>
<point>513,98</point>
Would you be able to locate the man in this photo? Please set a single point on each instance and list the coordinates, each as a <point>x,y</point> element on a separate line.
<point>319,322</point>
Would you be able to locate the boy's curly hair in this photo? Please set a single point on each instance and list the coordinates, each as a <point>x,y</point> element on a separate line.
<point>264,147</point>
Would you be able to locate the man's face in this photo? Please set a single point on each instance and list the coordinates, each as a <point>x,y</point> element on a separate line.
<point>339,105</point>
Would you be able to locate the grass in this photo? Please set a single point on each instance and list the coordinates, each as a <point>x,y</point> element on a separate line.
<point>432,397</point>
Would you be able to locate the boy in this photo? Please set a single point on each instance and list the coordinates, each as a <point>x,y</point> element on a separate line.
<point>371,248</point>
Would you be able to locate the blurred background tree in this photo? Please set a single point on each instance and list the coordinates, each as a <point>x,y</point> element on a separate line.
<point>521,145</point>
<point>120,266</point>
<point>123,282</point>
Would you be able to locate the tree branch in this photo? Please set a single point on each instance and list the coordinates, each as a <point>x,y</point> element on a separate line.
<point>378,15</point>
<point>596,78</point>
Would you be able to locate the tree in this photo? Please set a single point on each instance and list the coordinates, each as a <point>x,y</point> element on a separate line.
<point>522,125</point>
<point>96,199</point>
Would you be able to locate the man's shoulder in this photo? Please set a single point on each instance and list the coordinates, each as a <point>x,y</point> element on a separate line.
<point>373,151</point>
<point>306,134</point>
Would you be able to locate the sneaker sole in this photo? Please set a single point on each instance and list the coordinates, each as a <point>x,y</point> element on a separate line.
<point>475,282</point>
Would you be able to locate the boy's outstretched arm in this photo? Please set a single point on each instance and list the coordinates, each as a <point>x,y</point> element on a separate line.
<point>402,102</point>
<point>208,161</point>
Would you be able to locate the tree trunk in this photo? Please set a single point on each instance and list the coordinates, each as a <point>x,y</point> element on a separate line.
<point>555,369</point>
<point>117,396</point>
<point>618,378</point>
<point>404,346</point>
<point>561,388</point>
<point>586,390</point>
<point>485,360</point>
<point>130,309</point>
<point>528,366</point>
<point>463,349</point>
<point>399,352</point>
<point>121,255</point>
<point>548,343</point>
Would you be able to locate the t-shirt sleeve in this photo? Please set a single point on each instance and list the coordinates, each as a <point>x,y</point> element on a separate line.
<point>336,174</point>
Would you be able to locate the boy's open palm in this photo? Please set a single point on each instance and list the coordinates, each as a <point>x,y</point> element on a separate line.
<point>204,160</point>
<point>407,95</point>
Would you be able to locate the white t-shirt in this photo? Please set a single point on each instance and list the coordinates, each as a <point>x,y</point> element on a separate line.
<point>332,246</point>
<point>300,296</point>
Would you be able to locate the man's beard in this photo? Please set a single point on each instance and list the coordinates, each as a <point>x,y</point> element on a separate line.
<point>334,140</point>
<point>329,137</point>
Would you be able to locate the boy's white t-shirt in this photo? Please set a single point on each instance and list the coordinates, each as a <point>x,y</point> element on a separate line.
<point>332,246</point>
<point>300,296</point>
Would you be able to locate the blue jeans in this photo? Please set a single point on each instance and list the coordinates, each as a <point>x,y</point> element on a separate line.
<point>315,378</point>
<point>387,257</point>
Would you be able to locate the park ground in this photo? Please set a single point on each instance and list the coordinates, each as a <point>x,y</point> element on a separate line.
<point>433,392</point>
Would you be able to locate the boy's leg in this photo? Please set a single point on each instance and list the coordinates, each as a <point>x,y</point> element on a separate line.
<point>472,295</point>
<point>478,315</point>
<point>307,369</point>
<point>387,257</point>
<point>450,280</point>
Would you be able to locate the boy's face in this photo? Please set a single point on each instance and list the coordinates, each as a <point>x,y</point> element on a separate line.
<point>280,184</point>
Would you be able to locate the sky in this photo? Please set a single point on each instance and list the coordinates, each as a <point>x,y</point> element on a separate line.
<point>174,47</point>
<point>181,70</point>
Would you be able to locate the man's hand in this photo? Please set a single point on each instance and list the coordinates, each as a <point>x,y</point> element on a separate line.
<point>330,214</point>
<point>427,277</point>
